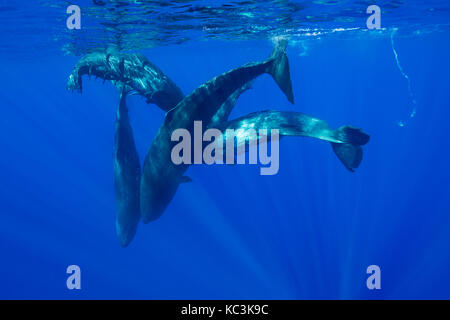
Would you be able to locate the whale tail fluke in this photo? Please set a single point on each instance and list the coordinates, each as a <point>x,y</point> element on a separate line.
<point>350,152</point>
<point>279,69</point>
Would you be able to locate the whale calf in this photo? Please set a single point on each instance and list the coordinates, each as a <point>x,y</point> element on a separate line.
<point>134,71</point>
<point>161,177</point>
<point>127,175</point>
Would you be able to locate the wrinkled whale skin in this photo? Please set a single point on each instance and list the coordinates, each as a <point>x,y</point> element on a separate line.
<point>135,71</point>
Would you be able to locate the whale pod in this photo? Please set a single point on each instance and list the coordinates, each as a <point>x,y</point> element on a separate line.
<point>129,73</point>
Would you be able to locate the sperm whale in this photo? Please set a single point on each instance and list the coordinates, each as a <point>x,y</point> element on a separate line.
<point>146,194</point>
<point>161,177</point>
<point>345,141</point>
<point>129,73</point>
<point>134,71</point>
<point>127,175</point>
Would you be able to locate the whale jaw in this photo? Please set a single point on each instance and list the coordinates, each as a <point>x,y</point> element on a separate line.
<point>125,234</point>
<point>74,83</point>
<point>153,205</point>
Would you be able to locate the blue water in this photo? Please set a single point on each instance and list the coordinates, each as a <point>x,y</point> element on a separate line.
<point>309,232</point>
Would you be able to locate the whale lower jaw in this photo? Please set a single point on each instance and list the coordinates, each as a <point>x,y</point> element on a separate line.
<point>151,209</point>
<point>148,216</point>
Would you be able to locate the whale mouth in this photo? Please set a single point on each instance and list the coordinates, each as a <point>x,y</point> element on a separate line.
<point>153,201</point>
<point>125,233</point>
<point>151,211</point>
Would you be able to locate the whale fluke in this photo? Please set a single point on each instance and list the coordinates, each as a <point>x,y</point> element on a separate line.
<point>280,70</point>
<point>350,153</point>
<point>352,135</point>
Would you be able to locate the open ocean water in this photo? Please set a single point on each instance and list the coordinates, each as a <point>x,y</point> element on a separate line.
<point>309,232</point>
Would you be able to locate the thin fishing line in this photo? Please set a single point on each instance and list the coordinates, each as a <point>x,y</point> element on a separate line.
<point>413,111</point>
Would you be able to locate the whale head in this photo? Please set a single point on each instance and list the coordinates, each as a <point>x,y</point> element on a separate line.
<point>74,82</point>
<point>126,232</point>
<point>158,187</point>
<point>155,199</point>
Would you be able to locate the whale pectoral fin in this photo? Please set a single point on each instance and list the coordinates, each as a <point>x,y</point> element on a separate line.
<point>186,179</point>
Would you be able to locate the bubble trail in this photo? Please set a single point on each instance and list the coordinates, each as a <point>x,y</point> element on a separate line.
<point>413,111</point>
